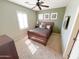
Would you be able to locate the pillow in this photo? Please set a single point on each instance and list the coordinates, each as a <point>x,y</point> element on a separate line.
<point>42,25</point>
<point>48,26</point>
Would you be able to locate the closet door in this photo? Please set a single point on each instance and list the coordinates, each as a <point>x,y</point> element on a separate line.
<point>75,50</point>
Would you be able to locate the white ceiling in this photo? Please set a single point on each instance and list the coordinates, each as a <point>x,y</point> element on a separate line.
<point>50,3</point>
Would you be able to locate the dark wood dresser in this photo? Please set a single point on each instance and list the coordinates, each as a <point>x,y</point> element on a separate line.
<point>7,48</point>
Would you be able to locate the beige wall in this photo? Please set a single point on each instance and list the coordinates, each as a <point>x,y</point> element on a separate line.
<point>58,21</point>
<point>68,35</point>
<point>9,21</point>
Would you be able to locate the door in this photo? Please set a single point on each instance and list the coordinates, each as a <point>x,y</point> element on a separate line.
<point>75,50</point>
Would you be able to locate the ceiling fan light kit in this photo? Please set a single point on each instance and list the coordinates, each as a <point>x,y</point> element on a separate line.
<point>38,4</point>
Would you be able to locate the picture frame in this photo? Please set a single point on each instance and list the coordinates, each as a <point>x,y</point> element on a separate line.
<point>40,17</point>
<point>46,16</point>
<point>54,16</point>
<point>66,22</point>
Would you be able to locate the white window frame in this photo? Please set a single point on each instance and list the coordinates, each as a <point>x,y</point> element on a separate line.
<point>22,20</point>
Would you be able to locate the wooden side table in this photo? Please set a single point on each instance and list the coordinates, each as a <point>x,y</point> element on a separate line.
<point>7,48</point>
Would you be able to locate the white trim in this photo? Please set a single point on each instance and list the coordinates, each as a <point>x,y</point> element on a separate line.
<point>77,12</point>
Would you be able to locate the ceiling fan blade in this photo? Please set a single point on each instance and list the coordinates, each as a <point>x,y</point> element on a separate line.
<point>33,7</point>
<point>38,0</point>
<point>41,2</point>
<point>44,6</point>
<point>39,7</point>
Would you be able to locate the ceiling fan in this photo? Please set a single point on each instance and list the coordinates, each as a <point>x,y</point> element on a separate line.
<point>39,5</point>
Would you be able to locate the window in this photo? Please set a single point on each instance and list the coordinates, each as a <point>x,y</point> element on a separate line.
<point>22,19</point>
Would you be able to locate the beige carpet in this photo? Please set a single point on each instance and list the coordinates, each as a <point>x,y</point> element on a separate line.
<point>28,49</point>
<point>54,43</point>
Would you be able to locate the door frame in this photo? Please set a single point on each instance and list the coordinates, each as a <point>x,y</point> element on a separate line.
<point>68,46</point>
<point>73,44</point>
